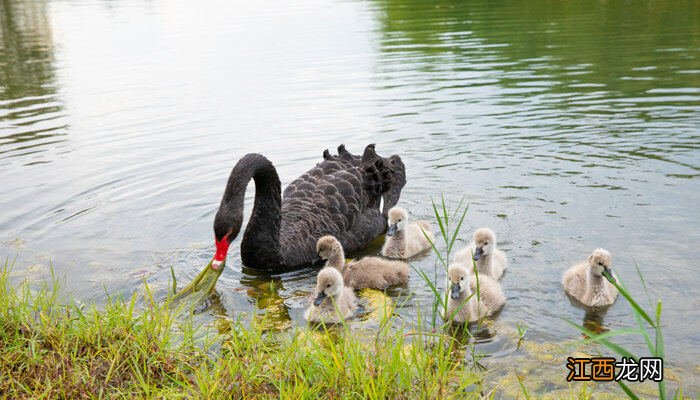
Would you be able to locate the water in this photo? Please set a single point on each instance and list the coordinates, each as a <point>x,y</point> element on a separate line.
<point>566,127</point>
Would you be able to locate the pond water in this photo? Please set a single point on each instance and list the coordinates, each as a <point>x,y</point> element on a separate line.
<point>565,126</point>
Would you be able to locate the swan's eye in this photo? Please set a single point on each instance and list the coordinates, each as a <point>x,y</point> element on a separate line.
<point>600,263</point>
<point>328,285</point>
<point>486,243</point>
<point>461,279</point>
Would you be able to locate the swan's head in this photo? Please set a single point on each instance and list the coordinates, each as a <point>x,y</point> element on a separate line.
<point>328,284</point>
<point>484,242</point>
<point>227,225</point>
<point>457,280</point>
<point>327,247</point>
<point>398,218</point>
<point>600,262</point>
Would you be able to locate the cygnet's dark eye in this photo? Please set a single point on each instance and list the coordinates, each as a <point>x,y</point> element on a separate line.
<point>328,285</point>
<point>486,243</point>
<point>600,263</point>
<point>461,279</point>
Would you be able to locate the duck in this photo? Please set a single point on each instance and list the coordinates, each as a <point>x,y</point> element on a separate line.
<point>340,196</point>
<point>461,284</point>
<point>368,272</point>
<point>404,239</point>
<point>591,281</point>
<point>489,260</point>
<point>334,302</point>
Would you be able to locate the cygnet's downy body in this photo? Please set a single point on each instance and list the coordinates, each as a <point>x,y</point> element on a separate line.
<point>482,250</point>
<point>404,239</point>
<point>589,282</point>
<point>368,272</point>
<point>463,304</point>
<point>334,301</point>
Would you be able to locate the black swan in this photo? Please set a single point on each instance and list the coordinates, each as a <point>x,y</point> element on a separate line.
<point>340,196</point>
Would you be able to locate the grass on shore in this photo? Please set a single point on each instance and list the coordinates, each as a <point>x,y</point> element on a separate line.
<point>138,348</point>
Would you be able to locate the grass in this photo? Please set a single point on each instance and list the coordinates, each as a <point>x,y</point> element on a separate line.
<point>138,348</point>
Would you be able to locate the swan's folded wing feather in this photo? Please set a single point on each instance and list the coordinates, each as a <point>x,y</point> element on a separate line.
<point>339,196</point>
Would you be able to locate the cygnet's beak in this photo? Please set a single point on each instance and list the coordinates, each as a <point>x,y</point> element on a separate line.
<point>607,273</point>
<point>319,299</point>
<point>478,253</point>
<point>392,230</point>
<point>454,291</point>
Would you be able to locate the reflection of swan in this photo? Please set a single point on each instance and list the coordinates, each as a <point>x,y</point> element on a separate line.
<point>334,301</point>
<point>404,240</point>
<point>488,259</point>
<point>593,319</point>
<point>461,285</point>
<point>341,196</point>
<point>588,282</point>
<point>368,272</point>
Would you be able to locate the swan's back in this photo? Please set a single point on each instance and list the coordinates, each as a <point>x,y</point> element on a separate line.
<point>340,196</point>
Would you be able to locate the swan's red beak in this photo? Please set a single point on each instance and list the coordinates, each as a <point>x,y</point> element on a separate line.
<point>221,250</point>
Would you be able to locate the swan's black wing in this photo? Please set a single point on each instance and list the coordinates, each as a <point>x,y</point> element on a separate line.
<point>340,197</point>
<point>389,172</point>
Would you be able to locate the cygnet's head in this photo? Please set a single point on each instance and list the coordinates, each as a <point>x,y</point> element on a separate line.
<point>457,279</point>
<point>327,247</point>
<point>398,218</point>
<point>600,262</point>
<point>328,284</point>
<point>484,242</point>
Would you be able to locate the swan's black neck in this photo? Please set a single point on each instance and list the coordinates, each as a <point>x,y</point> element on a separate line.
<point>260,247</point>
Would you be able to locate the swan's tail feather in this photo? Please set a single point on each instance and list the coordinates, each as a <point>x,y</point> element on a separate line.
<point>369,155</point>
<point>398,175</point>
<point>383,177</point>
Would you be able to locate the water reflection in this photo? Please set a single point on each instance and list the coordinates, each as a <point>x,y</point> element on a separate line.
<point>593,320</point>
<point>551,72</point>
<point>264,293</point>
<point>594,317</point>
<point>471,333</point>
<point>31,113</point>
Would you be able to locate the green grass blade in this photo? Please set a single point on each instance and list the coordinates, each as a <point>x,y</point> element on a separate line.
<point>172,273</point>
<point>444,210</point>
<point>440,224</point>
<point>456,232</point>
<point>660,347</point>
<point>628,391</point>
<point>610,345</point>
<point>430,284</point>
<point>459,206</point>
<point>636,308</point>
<point>522,387</point>
<point>643,332</point>
<point>644,283</point>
